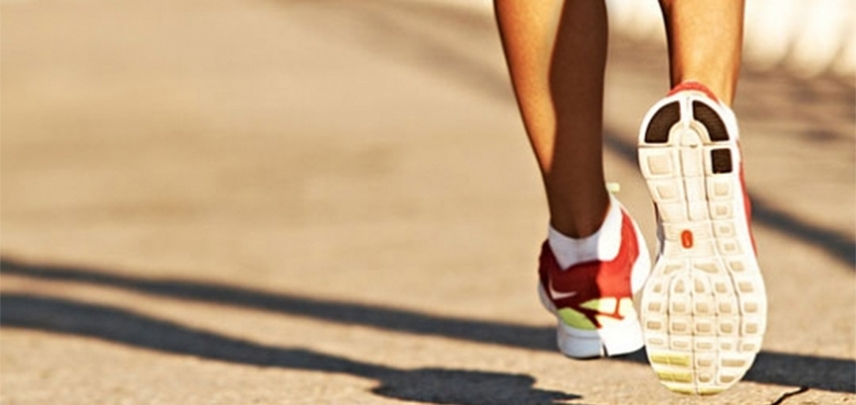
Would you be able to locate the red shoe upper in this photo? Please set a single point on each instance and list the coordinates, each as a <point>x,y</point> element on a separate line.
<point>593,280</point>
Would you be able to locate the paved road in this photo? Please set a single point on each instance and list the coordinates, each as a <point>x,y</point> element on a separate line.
<point>328,202</point>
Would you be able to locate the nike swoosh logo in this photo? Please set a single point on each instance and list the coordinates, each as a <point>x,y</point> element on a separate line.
<point>558,295</point>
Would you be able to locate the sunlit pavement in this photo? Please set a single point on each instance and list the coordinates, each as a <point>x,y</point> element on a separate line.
<point>328,202</point>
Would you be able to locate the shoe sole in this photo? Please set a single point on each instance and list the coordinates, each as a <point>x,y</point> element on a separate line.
<point>703,310</point>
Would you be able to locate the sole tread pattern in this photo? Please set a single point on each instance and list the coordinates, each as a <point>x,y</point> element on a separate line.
<point>704,307</point>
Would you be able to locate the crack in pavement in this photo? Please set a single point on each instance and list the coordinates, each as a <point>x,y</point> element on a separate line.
<point>787,395</point>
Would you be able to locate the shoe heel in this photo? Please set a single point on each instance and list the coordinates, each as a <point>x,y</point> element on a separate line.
<point>619,339</point>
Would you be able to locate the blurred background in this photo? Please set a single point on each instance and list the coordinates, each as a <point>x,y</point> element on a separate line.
<point>806,38</point>
<point>333,201</point>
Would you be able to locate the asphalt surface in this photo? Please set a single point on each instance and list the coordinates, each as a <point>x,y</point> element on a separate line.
<point>333,202</point>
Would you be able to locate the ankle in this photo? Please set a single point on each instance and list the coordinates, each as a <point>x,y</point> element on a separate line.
<point>716,90</point>
<point>597,245</point>
<point>577,228</point>
<point>579,220</point>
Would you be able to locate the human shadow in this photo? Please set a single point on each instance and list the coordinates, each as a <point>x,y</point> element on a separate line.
<point>786,369</point>
<point>433,385</point>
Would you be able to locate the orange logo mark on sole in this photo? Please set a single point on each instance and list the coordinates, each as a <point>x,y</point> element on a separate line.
<point>687,239</point>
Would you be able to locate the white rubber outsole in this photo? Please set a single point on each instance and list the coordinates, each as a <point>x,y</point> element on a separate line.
<point>703,310</point>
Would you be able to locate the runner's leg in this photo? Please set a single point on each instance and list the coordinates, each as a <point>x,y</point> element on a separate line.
<point>556,53</point>
<point>705,43</point>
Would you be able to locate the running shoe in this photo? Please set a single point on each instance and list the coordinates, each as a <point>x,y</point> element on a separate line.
<point>704,307</point>
<point>593,300</point>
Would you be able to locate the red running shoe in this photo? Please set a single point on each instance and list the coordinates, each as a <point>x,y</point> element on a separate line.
<point>593,300</point>
<point>704,306</point>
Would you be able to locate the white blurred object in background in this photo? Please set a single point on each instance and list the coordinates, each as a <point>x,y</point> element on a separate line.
<point>641,20</point>
<point>823,32</point>
<point>770,27</point>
